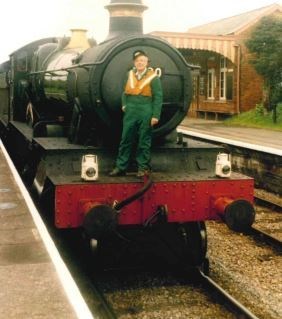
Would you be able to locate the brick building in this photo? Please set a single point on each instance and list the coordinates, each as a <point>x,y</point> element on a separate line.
<point>227,83</point>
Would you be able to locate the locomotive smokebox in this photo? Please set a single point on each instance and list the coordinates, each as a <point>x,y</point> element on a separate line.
<point>126,16</point>
<point>83,83</point>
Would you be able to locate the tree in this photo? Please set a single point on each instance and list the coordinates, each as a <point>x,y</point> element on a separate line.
<point>266,44</point>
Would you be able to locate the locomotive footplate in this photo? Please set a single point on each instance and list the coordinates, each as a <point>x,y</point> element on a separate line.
<point>183,178</point>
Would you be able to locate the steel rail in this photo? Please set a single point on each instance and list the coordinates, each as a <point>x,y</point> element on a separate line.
<point>104,309</point>
<point>258,233</point>
<point>234,304</point>
<point>268,202</point>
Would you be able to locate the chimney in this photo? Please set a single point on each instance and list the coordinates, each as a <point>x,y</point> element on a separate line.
<point>78,40</point>
<point>126,16</point>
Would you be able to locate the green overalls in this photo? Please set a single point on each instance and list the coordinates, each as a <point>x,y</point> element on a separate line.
<point>138,112</point>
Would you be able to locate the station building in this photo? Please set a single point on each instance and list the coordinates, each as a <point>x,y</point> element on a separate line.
<point>227,83</point>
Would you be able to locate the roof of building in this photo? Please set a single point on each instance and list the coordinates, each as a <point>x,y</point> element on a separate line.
<point>219,36</point>
<point>235,24</point>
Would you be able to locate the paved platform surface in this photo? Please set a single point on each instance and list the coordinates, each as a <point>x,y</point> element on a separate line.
<point>30,286</point>
<point>255,136</point>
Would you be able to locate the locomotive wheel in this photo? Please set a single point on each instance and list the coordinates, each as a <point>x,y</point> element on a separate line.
<point>183,245</point>
<point>165,245</point>
<point>194,239</point>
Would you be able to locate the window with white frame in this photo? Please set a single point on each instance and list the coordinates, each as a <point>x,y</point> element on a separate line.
<point>211,79</point>
<point>222,78</point>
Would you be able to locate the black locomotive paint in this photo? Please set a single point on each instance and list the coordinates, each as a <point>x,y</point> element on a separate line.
<point>61,102</point>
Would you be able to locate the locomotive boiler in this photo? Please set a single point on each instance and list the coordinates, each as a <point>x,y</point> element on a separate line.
<point>61,120</point>
<point>80,83</point>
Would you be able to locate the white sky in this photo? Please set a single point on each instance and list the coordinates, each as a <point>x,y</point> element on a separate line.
<point>26,21</point>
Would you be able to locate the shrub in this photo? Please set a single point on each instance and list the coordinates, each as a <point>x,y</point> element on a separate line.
<point>259,111</point>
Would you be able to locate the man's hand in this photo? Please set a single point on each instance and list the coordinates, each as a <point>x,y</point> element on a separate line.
<point>154,121</point>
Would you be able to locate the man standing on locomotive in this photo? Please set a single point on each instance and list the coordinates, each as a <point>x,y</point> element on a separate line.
<point>141,103</point>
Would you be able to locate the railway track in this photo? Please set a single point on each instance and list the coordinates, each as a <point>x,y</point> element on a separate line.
<point>240,310</point>
<point>263,236</point>
<point>118,294</point>
<point>267,227</point>
<point>138,293</point>
<point>122,295</point>
<point>171,296</point>
<point>268,199</point>
<point>246,267</point>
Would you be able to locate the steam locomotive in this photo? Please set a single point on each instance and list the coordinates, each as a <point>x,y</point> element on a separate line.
<point>61,120</point>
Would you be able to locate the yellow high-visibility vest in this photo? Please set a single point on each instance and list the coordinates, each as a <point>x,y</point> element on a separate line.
<point>142,86</point>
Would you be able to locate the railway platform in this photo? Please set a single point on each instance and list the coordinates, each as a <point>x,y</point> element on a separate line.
<point>254,138</point>
<point>35,283</point>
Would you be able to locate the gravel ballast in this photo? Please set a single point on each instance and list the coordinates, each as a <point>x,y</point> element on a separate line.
<point>251,272</point>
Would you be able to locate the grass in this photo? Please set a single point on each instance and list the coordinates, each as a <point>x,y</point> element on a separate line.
<point>257,118</point>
